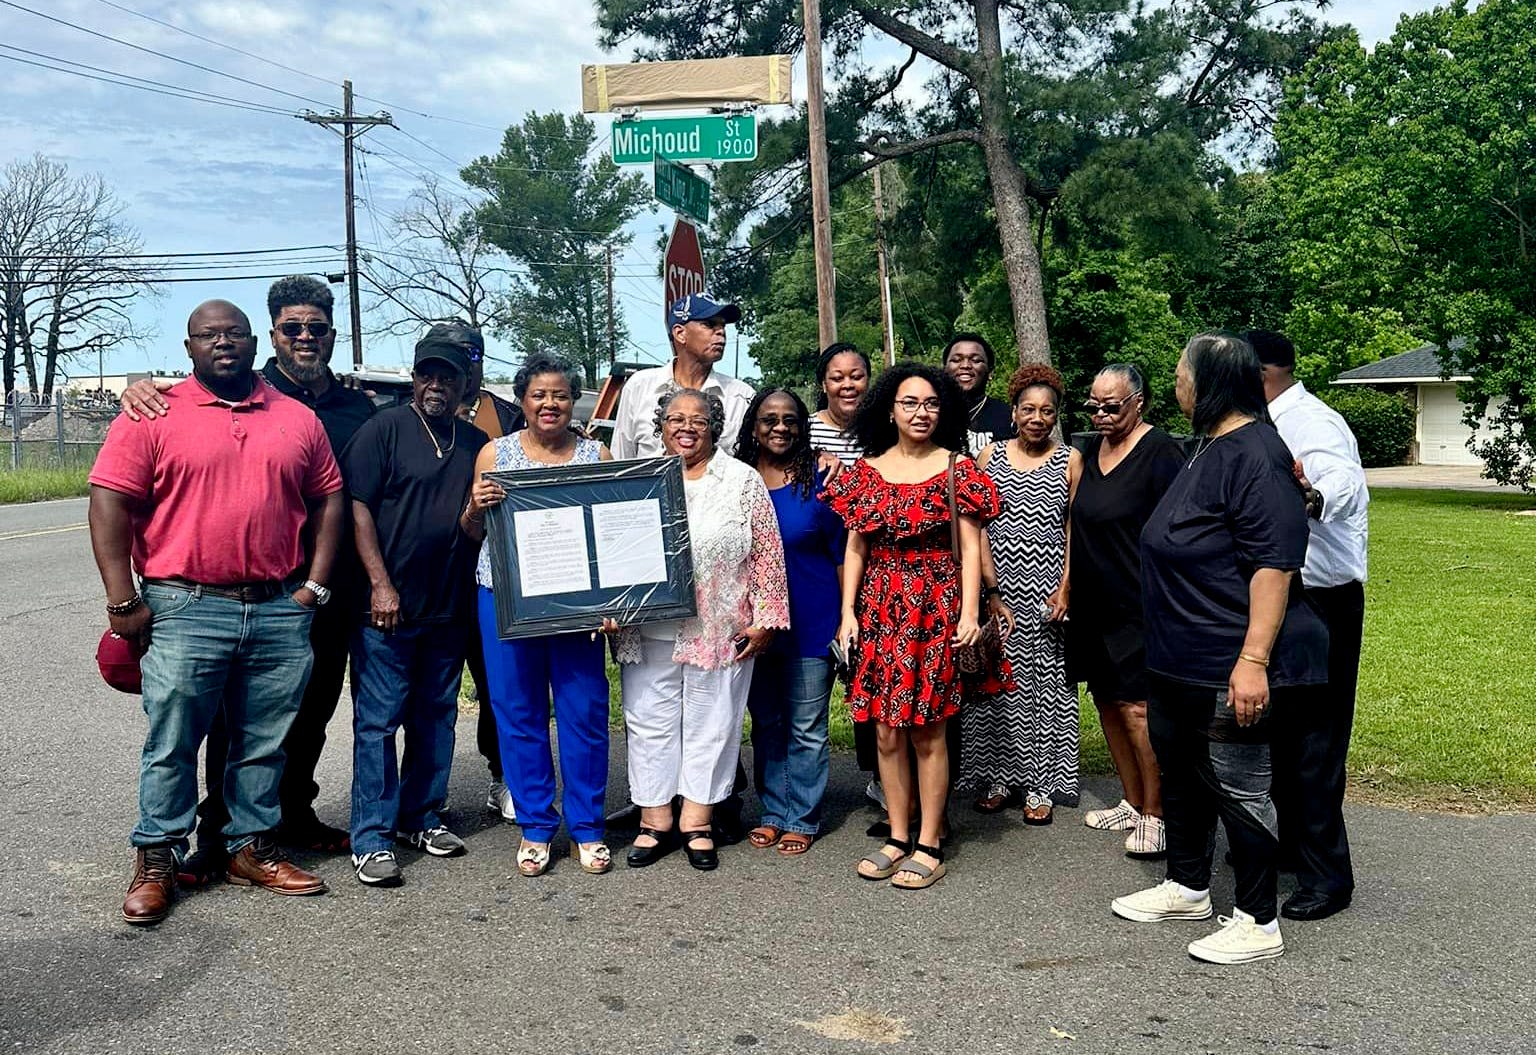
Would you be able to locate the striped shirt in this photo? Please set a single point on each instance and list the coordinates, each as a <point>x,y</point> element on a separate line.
<point>835,441</point>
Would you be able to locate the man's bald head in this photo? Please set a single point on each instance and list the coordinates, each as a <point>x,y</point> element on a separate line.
<point>222,348</point>
<point>201,315</point>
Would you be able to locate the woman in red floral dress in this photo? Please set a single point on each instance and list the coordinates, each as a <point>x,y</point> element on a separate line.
<point>906,606</point>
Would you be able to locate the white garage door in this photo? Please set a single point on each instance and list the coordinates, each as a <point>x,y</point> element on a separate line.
<point>1442,433</point>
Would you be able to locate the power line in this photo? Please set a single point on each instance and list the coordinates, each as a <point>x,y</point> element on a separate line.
<point>209,252</point>
<point>257,108</point>
<point>208,96</point>
<point>158,54</point>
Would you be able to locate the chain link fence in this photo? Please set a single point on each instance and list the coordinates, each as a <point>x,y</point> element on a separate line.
<point>63,432</point>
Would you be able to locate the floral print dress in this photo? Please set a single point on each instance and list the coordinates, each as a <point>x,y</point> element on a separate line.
<point>909,602</point>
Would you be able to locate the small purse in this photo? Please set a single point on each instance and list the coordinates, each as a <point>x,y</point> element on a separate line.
<point>986,655</point>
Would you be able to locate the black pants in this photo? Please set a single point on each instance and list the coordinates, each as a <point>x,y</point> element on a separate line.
<point>329,636</point>
<point>486,739</point>
<point>1311,746</point>
<point>1212,767</point>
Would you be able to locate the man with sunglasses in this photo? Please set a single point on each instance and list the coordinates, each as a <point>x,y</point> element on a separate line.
<point>303,340</point>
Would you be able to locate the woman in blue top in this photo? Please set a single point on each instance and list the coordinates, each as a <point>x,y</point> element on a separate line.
<point>522,672</point>
<point>793,680</point>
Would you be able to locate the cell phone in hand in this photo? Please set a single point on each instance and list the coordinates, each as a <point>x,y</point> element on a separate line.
<point>839,659</point>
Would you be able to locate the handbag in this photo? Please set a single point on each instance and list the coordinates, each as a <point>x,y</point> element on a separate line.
<point>986,655</point>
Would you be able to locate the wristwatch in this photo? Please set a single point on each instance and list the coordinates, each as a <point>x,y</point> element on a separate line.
<point>322,593</point>
<point>1315,504</point>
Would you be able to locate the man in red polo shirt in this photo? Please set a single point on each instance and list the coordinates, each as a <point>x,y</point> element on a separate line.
<point>208,506</point>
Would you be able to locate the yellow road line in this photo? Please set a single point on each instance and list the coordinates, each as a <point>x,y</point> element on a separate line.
<point>42,531</point>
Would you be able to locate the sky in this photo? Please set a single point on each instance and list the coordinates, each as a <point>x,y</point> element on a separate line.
<point>196,177</point>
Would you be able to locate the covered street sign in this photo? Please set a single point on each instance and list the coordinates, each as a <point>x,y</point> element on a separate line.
<point>711,137</point>
<point>681,189</point>
<point>682,267</point>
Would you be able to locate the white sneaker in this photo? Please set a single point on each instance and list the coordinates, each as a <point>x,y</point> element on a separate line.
<point>1115,819</point>
<point>1149,838</point>
<point>875,793</point>
<point>1240,940</point>
<point>1164,901</point>
<point>499,800</point>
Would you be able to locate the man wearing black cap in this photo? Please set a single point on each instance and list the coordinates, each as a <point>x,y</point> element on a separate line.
<point>409,470</point>
<point>697,329</point>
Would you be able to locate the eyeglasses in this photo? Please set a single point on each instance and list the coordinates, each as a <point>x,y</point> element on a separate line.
<point>773,421</point>
<point>1107,409</point>
<point>677,421</point>
<point>235,335</point>
<point>317,330</point>
<point>910,405</point>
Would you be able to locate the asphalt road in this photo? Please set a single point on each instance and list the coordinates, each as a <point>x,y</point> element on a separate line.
<point>1015,951</point>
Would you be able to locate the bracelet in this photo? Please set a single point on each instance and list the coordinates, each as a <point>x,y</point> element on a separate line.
<point>1253,659</point>
<point>990,591</point>
<point>472,516</point>
<point>124,607</point>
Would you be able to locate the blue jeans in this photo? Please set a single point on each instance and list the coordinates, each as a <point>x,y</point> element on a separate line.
<point>205,653</point>
<point>409,677</point>
<point>790,753</point>
<point>520,674</point>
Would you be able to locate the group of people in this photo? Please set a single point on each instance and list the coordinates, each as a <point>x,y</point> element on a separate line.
<point>948,554</point>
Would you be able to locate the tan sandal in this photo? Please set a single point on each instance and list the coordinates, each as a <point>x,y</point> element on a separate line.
<point>594,858</point>
<point>882,863</point>
<point>764,836</point>
<point>925,876</point>
<point>532,859</point>
<point>793,844</point>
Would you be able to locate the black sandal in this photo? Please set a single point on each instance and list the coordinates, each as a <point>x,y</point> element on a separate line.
<point>704,860</point>
<point>640,856</point>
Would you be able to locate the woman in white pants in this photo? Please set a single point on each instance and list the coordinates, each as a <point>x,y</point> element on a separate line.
<point>685,682</point>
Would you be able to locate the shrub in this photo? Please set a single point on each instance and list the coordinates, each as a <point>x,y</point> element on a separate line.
<point>1383,423</point>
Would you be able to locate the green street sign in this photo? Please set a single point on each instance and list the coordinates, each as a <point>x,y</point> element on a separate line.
<point>710,138</point>
<point>681,189</point>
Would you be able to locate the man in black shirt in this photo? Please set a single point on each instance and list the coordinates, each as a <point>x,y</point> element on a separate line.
<point>970,360</point>
<point>303,340</point>
<point>409,470</point>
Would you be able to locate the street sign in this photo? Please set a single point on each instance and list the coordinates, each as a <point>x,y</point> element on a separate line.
<point>681,189</point>
<point>713,137</point>
<point>682,267</point>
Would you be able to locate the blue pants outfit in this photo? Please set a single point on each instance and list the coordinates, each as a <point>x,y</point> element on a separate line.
<point>206,652</point>
<point>521,674</point>
<point>409,677</point>
<point>790,753</point>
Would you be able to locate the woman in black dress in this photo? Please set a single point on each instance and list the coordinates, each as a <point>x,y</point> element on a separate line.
<point>1126,468</point>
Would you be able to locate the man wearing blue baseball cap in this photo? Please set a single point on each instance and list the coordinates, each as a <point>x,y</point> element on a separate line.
<point>697,324</point>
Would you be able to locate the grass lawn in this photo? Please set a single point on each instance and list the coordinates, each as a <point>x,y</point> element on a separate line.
<point>1446,713</point>
<point>36,485</point>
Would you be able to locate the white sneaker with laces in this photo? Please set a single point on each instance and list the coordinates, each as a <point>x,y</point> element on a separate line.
<point>439,842</point>
<point>1240,940</point>
<point>1164,901</point>
<point>875,793</point>
<point>378,868</point>
<point>499,800</point>
<point>1149,838</point>
<point>1115,819</point>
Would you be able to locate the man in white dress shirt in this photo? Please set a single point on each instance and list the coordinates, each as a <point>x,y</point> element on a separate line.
<point>697,327</point>
<point>1310,747</point>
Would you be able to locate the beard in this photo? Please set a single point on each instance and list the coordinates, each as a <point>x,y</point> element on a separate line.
<point>303,372</point>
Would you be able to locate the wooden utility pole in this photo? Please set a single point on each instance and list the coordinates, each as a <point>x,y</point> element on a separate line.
<point>821,203</point>
<point>887,329</point>
<point>352,126</point>
<point>613,334</point>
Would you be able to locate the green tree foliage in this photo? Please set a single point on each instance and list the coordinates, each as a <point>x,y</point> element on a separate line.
<point>1408,177</point>
<point>1383,423</point>
<point>556,213</point>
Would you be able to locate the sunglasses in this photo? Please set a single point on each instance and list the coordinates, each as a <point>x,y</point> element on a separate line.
<point>317,330</point>
<point>1108,409</point>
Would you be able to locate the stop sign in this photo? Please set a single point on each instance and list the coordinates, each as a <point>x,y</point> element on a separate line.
<point>683,267</point>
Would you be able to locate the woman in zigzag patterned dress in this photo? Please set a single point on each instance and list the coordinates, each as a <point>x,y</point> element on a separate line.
<point>1024,738</point>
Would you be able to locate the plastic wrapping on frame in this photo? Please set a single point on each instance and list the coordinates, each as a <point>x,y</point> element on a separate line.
<point>559,592</point>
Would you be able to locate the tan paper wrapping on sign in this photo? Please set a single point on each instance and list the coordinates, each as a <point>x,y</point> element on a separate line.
<point>763,79</point>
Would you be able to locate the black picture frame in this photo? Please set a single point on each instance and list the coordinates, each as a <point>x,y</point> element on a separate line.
<point>586,486</point>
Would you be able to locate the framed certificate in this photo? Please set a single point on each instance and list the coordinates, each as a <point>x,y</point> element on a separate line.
<point>572,545</point>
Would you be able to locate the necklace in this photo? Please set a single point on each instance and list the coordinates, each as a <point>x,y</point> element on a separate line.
<point>438,447</point>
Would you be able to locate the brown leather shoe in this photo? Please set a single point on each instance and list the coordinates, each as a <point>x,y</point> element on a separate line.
<point>262,864</point>
<point>153,888</point>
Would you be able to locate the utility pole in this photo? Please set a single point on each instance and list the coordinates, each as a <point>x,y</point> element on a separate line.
<point>888,336</point>
<point>613,335</point>
<point>821,203</point>
<point>352,126</point>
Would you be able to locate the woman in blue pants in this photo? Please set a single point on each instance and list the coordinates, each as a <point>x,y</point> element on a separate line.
<point>522,673</point>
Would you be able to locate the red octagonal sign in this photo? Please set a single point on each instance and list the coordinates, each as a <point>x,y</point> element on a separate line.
<point>683,268</point>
